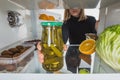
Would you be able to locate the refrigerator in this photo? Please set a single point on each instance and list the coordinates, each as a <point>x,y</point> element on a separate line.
<point>25,26</point>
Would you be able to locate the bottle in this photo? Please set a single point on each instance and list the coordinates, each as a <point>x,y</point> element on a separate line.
<point>52,46</point>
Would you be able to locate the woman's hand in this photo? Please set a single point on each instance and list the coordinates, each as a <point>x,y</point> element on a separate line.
<point>65,47</point>
<point>40,54</point>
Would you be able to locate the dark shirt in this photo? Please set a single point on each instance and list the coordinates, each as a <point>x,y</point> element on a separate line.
<point>75,30</point>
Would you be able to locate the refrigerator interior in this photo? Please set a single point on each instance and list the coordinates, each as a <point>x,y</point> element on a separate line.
<point>10,35</point>
<point>108,16</point>
<point>31,29</point>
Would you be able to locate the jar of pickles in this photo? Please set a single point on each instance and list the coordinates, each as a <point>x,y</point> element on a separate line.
<point>52,46</point>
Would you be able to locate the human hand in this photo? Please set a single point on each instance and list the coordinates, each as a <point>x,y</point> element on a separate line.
<point>65,47</point>
<point>40,54</point>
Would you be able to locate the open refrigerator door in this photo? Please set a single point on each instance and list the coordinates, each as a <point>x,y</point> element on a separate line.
<point>108,17</point>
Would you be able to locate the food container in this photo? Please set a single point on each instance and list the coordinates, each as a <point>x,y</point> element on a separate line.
<point>17,63</point>
<point>34,42</point>
<point>52,46</point>
<point>91,36</point>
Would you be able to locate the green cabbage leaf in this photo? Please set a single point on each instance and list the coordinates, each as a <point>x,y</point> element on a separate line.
<point>108,46</point>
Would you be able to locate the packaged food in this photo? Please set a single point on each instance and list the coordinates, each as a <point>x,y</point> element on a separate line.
<point>52,46</point>
<point>14,60</point>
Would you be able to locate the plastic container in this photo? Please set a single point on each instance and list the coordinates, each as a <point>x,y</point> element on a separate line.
<point>52,46</point>
<point>17,64</point>
<point>91,36</point>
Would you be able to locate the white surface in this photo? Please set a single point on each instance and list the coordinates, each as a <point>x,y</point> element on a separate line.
<point>81,3</point>
<point>88,4</point>
<point>30,67</point>
<point>105,3</point>
<point>10,35</point>
<point>113,14</point>
<point>109,18</point>
<point>83,64</point>
<point>92,62</point>
<point>92,12</point>
<point>59,77</point>
<point>102,21</point>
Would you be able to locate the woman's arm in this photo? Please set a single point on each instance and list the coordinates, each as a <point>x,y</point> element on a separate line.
<point>65,35</point>
<point>65,32</point>
<point>93,25</point>
<point>96,25</point>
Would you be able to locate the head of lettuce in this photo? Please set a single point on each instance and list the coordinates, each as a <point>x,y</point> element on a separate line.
<point>108,46</point>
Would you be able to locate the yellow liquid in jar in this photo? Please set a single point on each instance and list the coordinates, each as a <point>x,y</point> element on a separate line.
<point>53,59</point>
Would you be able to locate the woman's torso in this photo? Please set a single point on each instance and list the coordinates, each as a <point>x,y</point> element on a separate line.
<point>78,29</point>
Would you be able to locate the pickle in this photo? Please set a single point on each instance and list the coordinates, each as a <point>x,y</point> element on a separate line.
<point>60,39</point>
<point>55,63</point>
<point>49,53</point>
<point>53,35</point>
<point>56,51</point>
<point>44,35</point>
<point>45,45</point>
<point>57,39</point>
<point>50,61</point>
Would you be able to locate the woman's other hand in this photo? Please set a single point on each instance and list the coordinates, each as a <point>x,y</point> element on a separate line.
<point>65,47</point>
<point>40,54</point>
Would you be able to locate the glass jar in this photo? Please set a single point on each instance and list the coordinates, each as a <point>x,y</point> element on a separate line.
<point>52,46</point>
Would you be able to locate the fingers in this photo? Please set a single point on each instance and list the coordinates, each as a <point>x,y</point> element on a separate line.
<point>40,57</point>
<point>65,47</point>
<point>39,46</point>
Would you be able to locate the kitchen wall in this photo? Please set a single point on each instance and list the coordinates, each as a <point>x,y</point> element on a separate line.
<point>10,35</point>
